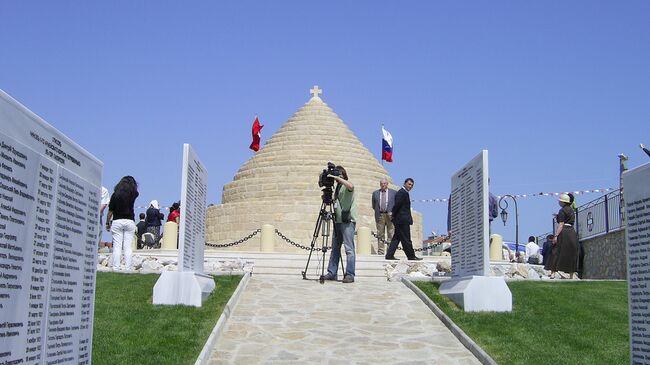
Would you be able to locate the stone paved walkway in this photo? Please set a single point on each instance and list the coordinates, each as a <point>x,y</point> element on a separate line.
<point>287,320</point>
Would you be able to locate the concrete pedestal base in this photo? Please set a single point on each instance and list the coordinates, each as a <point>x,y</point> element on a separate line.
<point>185,287</point>
<point>479,293</point>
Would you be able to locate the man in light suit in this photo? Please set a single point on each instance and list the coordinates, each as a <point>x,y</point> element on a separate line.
<point>402,219</point>
<point>382,203</point>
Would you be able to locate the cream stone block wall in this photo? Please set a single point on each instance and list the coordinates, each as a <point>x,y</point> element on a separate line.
<point>297,223</point>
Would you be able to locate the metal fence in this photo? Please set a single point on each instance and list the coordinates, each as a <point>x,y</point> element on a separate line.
<point>599,216</point>
<point>542,237</point>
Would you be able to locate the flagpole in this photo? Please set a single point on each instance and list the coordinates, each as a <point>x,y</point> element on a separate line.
<point>381,152</point>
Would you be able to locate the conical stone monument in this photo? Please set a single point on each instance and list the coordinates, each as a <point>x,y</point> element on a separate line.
<point>279,184</point>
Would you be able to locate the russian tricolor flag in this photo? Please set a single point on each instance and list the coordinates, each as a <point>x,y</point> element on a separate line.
<point>386,146</point>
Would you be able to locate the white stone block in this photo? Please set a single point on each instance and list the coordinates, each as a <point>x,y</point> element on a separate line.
<point>533,275</point>
<point>186,287</point>
<point>137,262</point>
<point>479,293</point>
<point>151,265</point>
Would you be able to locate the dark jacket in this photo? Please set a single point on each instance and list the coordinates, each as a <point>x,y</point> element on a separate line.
<point>142,228</point>
<point>402,208</point>
<point>154,217</point>
<point>546,251</point>
<point>492,206</point>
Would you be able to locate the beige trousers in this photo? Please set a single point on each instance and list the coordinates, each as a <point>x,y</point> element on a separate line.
<point>384,224</point>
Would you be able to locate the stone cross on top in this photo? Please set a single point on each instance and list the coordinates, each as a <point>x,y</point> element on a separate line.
<point>316,92</point>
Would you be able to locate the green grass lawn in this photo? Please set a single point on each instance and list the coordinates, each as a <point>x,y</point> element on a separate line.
<point>551,323</point>
<point>128,329</point>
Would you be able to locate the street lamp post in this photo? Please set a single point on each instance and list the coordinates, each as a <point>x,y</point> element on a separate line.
<point>504,218</point>
<point>622,160</point>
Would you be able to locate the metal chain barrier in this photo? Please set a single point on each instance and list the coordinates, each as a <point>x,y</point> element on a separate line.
<point>399,248</point>
<point>234,243</point>
<point>302,247</point>
<point>289,241</point>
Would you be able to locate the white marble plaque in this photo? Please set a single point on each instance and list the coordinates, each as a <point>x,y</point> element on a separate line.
<point>471,287</point>
<point>636,192</point>
<point>194,190</point>
<point>469,218</point>
<point>49,210</point>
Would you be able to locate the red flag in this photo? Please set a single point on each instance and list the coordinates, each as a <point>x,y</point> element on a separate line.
<point>257,128</point>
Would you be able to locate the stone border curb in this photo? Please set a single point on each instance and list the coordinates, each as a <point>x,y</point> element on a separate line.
<point>204,356</point>
<point>472,346</point>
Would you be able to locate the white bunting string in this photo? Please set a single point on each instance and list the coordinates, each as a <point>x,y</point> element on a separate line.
<point>531,195</point>
<point>147,207</point>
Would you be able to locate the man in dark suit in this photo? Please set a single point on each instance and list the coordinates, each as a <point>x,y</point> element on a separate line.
<point>402,220</point>
<point>383,201</point>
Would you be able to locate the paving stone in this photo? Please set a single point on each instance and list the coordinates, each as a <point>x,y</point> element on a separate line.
<point>285,320</point>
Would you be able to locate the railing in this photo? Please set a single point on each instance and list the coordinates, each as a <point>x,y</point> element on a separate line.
<point>542,237</point>
<point>599,216</point>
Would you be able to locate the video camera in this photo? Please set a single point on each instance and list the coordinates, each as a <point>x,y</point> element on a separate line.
<point>326,183</point>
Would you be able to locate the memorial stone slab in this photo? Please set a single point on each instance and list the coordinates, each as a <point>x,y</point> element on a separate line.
<point>469,218</point>
<point>637,211</point>
<point>194,190</point>
<point>188,286</point>
<point>470,286</point>
<point>49,223</point>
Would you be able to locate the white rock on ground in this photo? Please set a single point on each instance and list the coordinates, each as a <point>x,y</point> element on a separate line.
<point>443,266</point>
<point>394,271</point>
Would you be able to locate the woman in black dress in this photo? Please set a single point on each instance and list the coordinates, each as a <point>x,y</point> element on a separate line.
<point>564,256</point>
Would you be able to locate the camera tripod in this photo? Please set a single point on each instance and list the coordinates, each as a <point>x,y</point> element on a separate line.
<point>324,224</point>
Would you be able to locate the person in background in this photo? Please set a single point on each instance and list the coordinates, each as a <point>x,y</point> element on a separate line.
<point>532,251</point>
<point>546,250</point>
<point>564,256</point>
<point>572,199</point>
<point>581,251</point>
<point>120,220</point>
<point>506,252</point>
<point>175,213</point>
<point>153,219</point>
<point>493,208</point>
<point>141,228</point>
<point>175,216</point>
<point>382,203</point>
<point>105,199</point>
<point>402,219</point>
<point>643,147</point>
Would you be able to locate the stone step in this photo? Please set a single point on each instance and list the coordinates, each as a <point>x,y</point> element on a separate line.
<point>288,264</point>
<point>313,272</point>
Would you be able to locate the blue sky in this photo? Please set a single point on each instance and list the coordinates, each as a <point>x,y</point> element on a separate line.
<point>554,90</point>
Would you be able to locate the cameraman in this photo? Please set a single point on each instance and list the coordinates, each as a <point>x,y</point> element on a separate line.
<point>344,225</point>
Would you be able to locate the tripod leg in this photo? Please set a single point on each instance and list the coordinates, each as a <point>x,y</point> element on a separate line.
<point>327,233</point>
<point>319,221</point>
<point>326,236</point>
